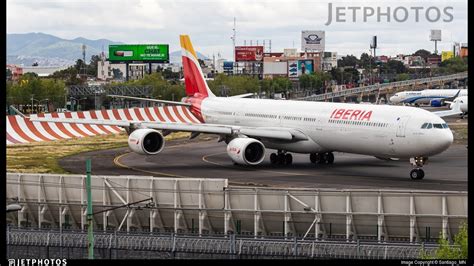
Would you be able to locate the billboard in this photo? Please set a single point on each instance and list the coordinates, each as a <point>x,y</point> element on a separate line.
<point>148,53</point>
<point>228,65</point>
<point>293,69</point>
<point>248,53</point>
<point>445,55</point>
<point>312,40</point>
<point>305,67</point>
<point>435,35</point>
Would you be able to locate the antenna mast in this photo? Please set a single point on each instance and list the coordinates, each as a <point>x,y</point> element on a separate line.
<point>233,38</point>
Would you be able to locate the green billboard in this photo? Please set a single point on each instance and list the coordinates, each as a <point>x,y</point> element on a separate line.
<point>148,53</point>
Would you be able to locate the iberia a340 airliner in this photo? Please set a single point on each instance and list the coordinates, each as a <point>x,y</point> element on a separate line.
<point>249,126</point>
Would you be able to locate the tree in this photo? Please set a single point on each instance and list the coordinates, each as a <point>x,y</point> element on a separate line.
<point>91,69</point>
<point>423,54</point>
<point>447,251</point>
<point>453,65</point>
<point>348,60</point>
<point>366,61</point>
<point>393,67</point>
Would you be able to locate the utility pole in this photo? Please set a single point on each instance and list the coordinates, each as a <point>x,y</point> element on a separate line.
<point>233,38</point>
<point>90,221</point>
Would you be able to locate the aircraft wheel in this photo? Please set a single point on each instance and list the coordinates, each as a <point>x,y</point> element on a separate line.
<point>312,157</point>
<point>281,158</point>
<point>417,174</point>
<point>273,158</point>
<point>288,159</point>
<point>330,158</point>
<point>323,158</point>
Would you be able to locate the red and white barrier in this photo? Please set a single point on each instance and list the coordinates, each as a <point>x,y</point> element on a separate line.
<point>21,130</point>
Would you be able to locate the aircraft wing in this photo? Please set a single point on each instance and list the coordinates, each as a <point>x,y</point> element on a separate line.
<point>455,110</point>
<point>245,95</point>
<point>149,100</point>
<point>447,113</point>
<point>287,134</point>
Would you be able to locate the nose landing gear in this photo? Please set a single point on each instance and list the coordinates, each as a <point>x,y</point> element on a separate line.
<point>417,162</point>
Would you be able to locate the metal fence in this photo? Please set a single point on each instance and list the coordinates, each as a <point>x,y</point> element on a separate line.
<point>384,86</point>
<point>23,243</point>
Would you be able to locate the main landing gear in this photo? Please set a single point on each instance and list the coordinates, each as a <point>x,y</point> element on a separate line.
<point>417,172</point>
<point>322,158</point>
<point>281,158</point>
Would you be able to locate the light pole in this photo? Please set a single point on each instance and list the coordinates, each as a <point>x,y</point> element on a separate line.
<point>32,103</point>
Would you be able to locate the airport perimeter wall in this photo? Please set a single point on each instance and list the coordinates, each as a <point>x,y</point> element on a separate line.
<point>207,207</point>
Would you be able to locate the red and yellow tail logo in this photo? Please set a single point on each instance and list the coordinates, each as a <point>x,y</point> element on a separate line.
<point>193,77</point>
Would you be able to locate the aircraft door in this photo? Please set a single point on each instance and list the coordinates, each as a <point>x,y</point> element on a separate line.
<point>401,127</point>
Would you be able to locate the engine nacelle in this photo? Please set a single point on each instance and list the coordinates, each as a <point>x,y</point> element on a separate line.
<point>146,141</point>
<point>246,151</point>
<point>436,103</point>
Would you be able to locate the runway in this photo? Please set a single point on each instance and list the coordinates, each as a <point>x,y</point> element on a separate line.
<point>205,158</point>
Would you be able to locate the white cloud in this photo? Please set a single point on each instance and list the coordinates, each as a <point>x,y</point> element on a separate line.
<point>210,23</point>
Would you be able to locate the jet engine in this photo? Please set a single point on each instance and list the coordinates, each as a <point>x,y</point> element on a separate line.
<point>436,103</point>
<point>246,151</point>
<point>146,141</point>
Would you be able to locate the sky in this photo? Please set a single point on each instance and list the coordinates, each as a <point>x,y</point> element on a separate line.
<point>210,22</point>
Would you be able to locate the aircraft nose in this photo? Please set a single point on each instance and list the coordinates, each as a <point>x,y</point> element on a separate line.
<point>393,99</point>
<point>445,139</point>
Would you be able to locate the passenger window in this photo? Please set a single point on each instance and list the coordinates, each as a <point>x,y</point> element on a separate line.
<point>429,126</point>
<point>424,125</point>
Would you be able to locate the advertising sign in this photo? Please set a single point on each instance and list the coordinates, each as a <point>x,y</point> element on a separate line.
<point>148,53</point>
<point>305,67</point>
<point>293,69</point>
<point>312,40</point>
<point>435,35</point>
<point>445,55</point>
<point>248,53</point>
<point>228,65</point>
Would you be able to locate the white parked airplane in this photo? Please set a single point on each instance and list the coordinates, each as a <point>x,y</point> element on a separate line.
<point>249,126</point>
<point>433,97</point>
<point>458,107</point>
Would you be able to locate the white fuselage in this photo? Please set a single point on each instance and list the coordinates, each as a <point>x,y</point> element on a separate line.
<point>462,102</point>
<point>378,130</point>
<point>425,96</point>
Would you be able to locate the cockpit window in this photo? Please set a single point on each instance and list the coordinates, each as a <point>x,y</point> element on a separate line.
<point>429,126</point>
<point>437,125</point>
<point>445,125</point>
<point>424,125</point>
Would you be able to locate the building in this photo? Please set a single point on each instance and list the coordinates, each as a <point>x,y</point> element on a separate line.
<point>381,59</point>
<point>108,71</point>
<point>16,72</point>
<point>463,51</point>
<point>291,64</point>
<point>329,61</point>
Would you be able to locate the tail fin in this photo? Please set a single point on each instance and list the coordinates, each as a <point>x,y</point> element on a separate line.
<point>193,77</point>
